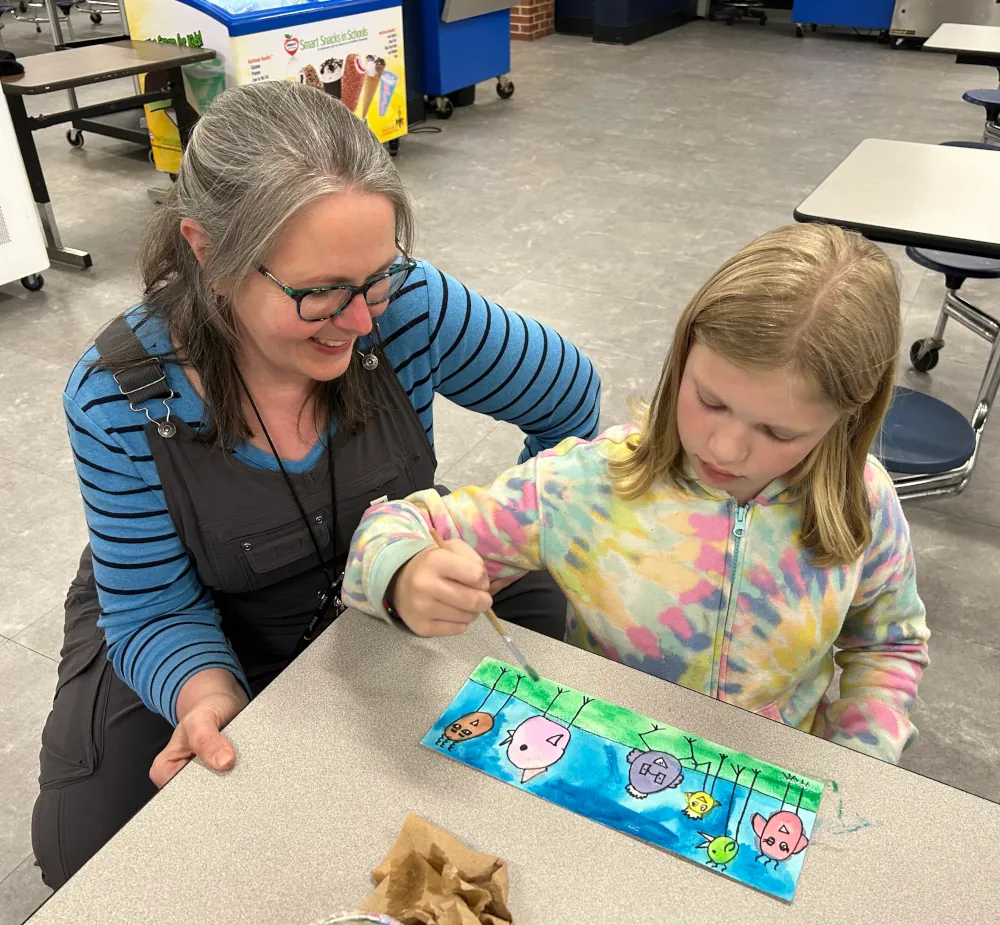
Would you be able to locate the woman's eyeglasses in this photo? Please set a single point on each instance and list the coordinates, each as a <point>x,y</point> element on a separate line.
<point>318,303</point>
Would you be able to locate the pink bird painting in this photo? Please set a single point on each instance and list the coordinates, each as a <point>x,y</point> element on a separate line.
<point>539,742</point>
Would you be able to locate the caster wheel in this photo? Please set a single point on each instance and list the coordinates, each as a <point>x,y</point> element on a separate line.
<point>763,20</point>
<point>445,108</point>
<point>883,38</point>
<point>505,90</point>
<point>799,34</point>
<point>34,282</point>
<point>95,18</point>
<point>813,26</point>
<point>925,363</point>
<point>74,137</point>
<point>22,7</point>
<point>393,147</point>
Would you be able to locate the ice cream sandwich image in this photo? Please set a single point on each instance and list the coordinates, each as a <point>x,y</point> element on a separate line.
<point>331,72</point>
<point>310,78</point>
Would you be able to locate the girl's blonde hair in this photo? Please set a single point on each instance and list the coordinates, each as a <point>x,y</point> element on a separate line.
<point>824,304</point>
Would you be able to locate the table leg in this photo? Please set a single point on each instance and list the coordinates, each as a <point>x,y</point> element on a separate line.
<point>54,27</point>
<point>186,115</point>
<point>40,192</point>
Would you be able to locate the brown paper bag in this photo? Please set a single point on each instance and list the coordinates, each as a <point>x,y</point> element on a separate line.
<point>430,878</point>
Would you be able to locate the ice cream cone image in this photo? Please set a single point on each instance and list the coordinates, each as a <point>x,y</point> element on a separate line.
<point>374,68</point>
<point>352,81</point>
<point>386,89</point>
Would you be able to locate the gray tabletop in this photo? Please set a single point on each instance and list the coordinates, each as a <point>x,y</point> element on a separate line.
<point>76,67</point>
<point>330,763</point>
<point>964,39</point>
<point>900,192</point>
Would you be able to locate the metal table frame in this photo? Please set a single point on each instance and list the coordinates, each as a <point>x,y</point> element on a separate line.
<point>825,206</point>
<point>964,54</point>
<point>25,125</point>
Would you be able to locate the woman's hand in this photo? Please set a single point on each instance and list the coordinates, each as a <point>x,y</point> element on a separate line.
<point>440,591</point>
<point>206,704</point>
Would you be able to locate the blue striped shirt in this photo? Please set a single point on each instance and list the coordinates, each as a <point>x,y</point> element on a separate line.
<point>160,623</point>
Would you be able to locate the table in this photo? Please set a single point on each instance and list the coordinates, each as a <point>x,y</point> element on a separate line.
<point>971,44</point>
<point>77,67</point>
<point>330,763</point>
<point>900,192</point>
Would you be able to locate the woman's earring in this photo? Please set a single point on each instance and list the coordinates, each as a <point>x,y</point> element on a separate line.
<point>370,360</point>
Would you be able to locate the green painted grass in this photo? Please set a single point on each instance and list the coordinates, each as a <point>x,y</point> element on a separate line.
<point>617,724</point>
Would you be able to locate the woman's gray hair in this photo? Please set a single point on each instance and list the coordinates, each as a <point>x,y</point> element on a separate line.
<point>258,155</point>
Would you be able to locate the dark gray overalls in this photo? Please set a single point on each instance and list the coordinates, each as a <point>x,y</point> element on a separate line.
<point>250,547</point>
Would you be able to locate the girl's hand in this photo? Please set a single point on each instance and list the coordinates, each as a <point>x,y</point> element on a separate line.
<point>441,590</point>
<point>207,703</point>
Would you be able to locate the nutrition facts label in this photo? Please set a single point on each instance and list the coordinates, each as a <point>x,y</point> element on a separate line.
<point>258,68</point>
<point>391,43</point>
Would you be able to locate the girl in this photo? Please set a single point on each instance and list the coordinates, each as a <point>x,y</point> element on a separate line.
<point>739,535</point>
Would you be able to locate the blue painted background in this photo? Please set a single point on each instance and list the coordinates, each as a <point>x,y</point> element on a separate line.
<point>590,780</point>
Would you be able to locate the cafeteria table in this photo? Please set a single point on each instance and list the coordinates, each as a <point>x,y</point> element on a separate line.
<point>902,192</point>
<point>76,67</point>
<point>330,763</point>
<point>971,44</point>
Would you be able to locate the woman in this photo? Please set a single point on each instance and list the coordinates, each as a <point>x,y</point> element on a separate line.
<point>219,518</point>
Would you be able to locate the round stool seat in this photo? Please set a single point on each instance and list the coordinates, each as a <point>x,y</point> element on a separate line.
<point>978,145</point>
<point>952,264</point>
<point>922,435</point>
<point>988,99</point>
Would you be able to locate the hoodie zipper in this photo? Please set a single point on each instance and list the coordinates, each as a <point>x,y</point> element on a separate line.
<point>740,526</point>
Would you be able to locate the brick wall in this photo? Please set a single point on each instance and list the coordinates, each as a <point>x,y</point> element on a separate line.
<point>533,19</point>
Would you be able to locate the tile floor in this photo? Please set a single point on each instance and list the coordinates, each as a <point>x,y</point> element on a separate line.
<point>597,199</point>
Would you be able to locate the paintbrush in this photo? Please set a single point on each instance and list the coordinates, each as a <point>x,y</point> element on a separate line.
<point>498,626</point>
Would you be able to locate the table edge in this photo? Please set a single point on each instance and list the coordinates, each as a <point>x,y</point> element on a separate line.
<point>12,86</point>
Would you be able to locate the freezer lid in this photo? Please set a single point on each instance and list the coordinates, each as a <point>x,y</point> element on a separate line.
<point>245,17</point>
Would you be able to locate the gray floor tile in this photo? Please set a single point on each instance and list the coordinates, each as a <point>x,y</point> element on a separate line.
<point>597,319</point>
<point>44,533</point>
<point>32,423</point>
<point>956,575</point>
<point>21,893</point>
<point>486,460</point>
<point>45,635</point>
<point>456,431</point>
<point>959,741</point>
<point>28,686</point>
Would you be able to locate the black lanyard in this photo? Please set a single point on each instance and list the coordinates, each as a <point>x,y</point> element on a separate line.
<point>334,582</point>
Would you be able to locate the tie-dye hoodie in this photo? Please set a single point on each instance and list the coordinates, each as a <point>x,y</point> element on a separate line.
<point>690,586</point>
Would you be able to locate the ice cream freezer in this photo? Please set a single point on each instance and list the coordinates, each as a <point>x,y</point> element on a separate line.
<point>919,19</point>
<point>351,49</point>
<point>463,43</point>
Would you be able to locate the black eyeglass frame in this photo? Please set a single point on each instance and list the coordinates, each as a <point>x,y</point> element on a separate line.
<point>405,267</point>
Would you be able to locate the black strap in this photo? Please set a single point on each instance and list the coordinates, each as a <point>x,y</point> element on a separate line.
<point>140,377</point>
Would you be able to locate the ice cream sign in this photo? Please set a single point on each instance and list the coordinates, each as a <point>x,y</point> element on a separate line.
<point>357,59</point>
<point>293,44</point>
